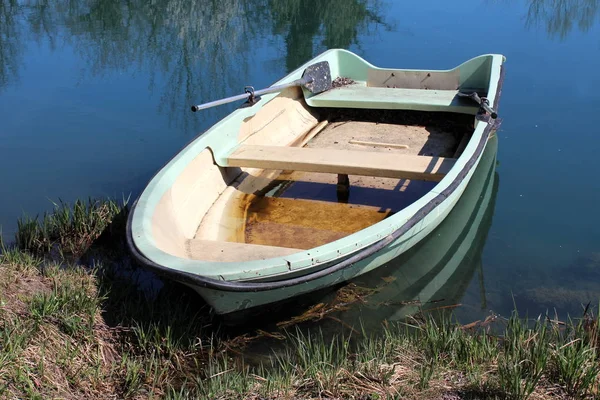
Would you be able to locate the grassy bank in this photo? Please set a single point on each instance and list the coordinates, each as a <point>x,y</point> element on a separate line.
<point>74,323</point>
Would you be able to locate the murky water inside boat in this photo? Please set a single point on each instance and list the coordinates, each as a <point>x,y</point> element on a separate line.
<point>298,223</point>
<point>304,210</point>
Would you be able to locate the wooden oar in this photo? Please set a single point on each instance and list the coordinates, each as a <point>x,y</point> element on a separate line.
<point>316,78</point>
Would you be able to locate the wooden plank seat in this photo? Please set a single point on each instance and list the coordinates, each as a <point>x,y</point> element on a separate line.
<point>348,162</point>
<point>220,251</point>
<point>382,98</point>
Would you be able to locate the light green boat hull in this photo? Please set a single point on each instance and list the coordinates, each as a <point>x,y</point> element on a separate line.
<point>424,215</point>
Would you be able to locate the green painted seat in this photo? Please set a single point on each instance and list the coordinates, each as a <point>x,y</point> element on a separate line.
<point>382,98</point>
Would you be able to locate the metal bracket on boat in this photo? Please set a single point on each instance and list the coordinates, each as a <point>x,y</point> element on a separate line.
<point>485,105</point>
<point>252,98</point>
<point>483,102</point>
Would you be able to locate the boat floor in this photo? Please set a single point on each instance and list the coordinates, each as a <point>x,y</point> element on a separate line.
<point>301,210</point>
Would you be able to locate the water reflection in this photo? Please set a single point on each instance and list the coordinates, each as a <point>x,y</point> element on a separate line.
<point>10,48</point>
<point>190,51</point>
<point>198,51</point>
<point>561,16</point>
<point>337,23</point>
<point>184,47</point>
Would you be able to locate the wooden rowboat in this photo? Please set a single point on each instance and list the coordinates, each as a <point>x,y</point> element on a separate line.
<point>300,191</point>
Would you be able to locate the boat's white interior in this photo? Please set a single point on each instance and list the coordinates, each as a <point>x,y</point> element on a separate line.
<point>285,186</point>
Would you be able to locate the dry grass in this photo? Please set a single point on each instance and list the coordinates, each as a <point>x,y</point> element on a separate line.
<point>50,352</point>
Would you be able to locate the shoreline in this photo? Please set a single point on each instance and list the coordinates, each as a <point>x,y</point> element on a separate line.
<point>75,324</point>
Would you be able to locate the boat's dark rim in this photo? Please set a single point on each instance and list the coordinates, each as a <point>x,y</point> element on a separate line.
<point>244,286</point>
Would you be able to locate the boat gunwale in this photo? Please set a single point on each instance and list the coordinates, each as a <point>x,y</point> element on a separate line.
<point>349,258</point>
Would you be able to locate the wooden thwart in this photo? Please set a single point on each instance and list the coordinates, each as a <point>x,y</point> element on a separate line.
<point>210,250</point>
<point>349,162</point>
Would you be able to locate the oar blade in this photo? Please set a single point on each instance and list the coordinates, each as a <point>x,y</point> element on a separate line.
<point>321,77</point>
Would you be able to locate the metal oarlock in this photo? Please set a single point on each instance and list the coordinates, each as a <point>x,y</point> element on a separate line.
<point>483,102</point>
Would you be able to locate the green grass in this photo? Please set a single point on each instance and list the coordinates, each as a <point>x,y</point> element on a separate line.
<point>18,260</point>
<point>69,230</point>
<point>523,360</point>
<point>71,303</point>
<point>71,331</point>
<point>574,357</point>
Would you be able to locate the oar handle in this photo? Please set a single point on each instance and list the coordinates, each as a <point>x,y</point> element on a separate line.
<point>483,102</point>
<point>219,102</point>
<point>252,93</point>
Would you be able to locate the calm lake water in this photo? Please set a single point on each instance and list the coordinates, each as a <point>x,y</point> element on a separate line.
<point>95,96</point>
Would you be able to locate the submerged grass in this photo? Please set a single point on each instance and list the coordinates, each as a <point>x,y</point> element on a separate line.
<point>72,331</point>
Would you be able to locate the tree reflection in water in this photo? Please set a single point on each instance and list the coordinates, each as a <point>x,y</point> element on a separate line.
<point>10,47</point>
<point>195,51</point>
<point>560,16</point>
<point>338,23</point>
<point>199,51</point>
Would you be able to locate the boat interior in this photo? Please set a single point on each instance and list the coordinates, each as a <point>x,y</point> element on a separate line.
<point>308,170</point>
